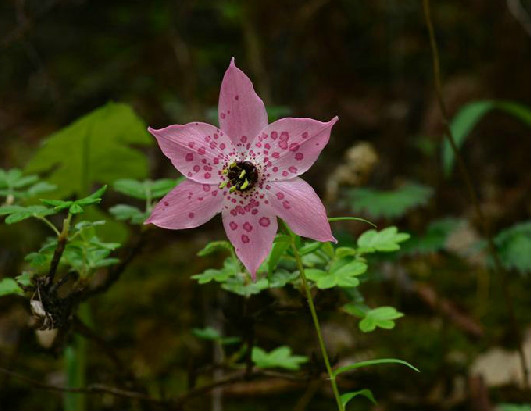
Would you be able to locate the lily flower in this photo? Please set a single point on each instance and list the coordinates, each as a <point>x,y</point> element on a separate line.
<point>246,169</point>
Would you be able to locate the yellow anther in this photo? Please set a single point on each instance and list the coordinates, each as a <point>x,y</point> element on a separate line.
<point>242,174</point>
<point>244,185</point>
<point>223,184</point>
<point>224,171</point>
<point>232,189</point>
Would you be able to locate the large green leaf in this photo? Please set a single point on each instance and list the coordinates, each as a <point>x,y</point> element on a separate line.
<point>94,149</point>
<point>389,203</point>
<point>388,239</point>
<point>467,118</point>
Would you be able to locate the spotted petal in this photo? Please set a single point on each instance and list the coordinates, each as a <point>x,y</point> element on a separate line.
<point>241,112</point>
<point>188,205</point>
<point>299,206</point>
<point>289,146</point>
<point>198,150</point>
<point>251,228</point>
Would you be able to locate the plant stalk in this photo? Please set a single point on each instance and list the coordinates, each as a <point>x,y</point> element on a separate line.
<point>317,327</point>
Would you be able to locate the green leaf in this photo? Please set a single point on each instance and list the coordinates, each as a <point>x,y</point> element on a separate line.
<point>244,286</point>
<point>280,357</point>
<point>159,188</point>
<point>345,398</point>
<point>94,149</point>
<point>281,277</point>
<point>214,247</point>
<point>310,247</point>
<point>10,286</point>
<point>368,363</point>
<point>143,190</point>
<point>513,407</point>
<point>344,276</point>
<point>388,239</point>
<point>124,212</point>
<point>514,247</point>
<point>19,213</point>
<point>25,278</point>
<point>389,204</point>
<point>231,268</point>
<point>94,198</point>
<point>382,317</point>
<point>469,115</point>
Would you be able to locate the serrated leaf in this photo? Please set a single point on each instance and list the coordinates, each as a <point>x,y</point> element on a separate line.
<point>382,317</point>
<point>389,204</point>
<point>231,268</point>
<point>345,276</point>
<point>94,149</point>
<point>310,247</point>
<point>147,188</point>
<point>25,278</point>
<point>19,213</point>
<point>369,363</point>
<point>470,114</point>
<point>10,286</point>
<point>345,398</point>
<point>94,198</point>
<point>388,239</point>
<point>132,188</point>
<point>281,277</point>
<point>244,287</point>
<point>280,357</point>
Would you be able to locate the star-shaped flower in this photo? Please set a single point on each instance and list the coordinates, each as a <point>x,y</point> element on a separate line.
<point>245,169</point>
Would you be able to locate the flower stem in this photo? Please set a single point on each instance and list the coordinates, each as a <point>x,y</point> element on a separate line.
<point>316,323</point>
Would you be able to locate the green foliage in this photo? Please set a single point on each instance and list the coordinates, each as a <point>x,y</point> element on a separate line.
<point>340,275</point>
<point>389,204</point>
<point>368,363</point>
<point>94,149</point>
<point>13,183</point>
<point>435,238</point>
<point>76,206</point>
<point>469,115</point>
<point>345,398</point>
<point>147,189</point>
<point>388,239</point>
<point>514,247</point>
<point>382,317</point>
<point>513,407</point>
<point>280,357</point>
<point>215,247</point>
<point>212,334</point>
<point>280,246</point>
<point>9,286</point>
<point>124,212</point>
<point>17,213</point>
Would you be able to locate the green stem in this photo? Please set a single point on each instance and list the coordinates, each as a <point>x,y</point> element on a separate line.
<point>49,224</point>
<point>316,323</point>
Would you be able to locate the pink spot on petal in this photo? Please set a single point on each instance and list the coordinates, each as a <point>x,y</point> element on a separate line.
<point>264,222</point>
<point>305,135</point>
<point>207,175</point>
<point>222,115</point>
<point>245,239</point>
<point>283,145</point>
<point>284,136</point>
<point>299,156</point>
<point>191,215</point>
<point>206,187</point>
<point>236,97</point>
<point>294,147</point>
<point>191,144</point>
<point>243,139</point>
<point>254,211</point>
<point>166,204</point>
<point>275,154</point>
<point>274,135</point>
<point>189,157</point>
<point>286,205</point>
<point>280,196</point>
<point>202,150</point>
<point>285,173</point>
<point>233,226</point>
<point>292,169</point>
<point>248,227</point>
<point>222,146</point>
<point>197,168</point>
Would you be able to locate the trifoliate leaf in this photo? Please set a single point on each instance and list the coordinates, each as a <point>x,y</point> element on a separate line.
<point>382,317</point>
<point>389,204</point>
<point>19,213</point>
<point>280,357</point>
<point>388,239</point>
<point>231,268</point>
<point>94,149</point>
<point>281,277</point>
<point>344,276</point>
<point>244,286</point>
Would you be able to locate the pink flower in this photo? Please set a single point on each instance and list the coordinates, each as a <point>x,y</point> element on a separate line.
<point>245,169</point>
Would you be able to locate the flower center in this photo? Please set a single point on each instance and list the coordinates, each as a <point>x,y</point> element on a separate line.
<point>242,175</point>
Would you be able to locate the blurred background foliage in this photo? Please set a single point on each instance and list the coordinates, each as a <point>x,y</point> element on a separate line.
<point>366,61</point>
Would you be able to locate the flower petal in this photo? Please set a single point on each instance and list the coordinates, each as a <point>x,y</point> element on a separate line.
<point>198,150</point>
<point>251,227</point>
<point>188,205</point>
<point>289,146</point>
<point>241,112</point>
<point>299,206</point>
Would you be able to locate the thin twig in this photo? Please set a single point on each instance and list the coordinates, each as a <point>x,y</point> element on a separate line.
<point>502,273</point>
